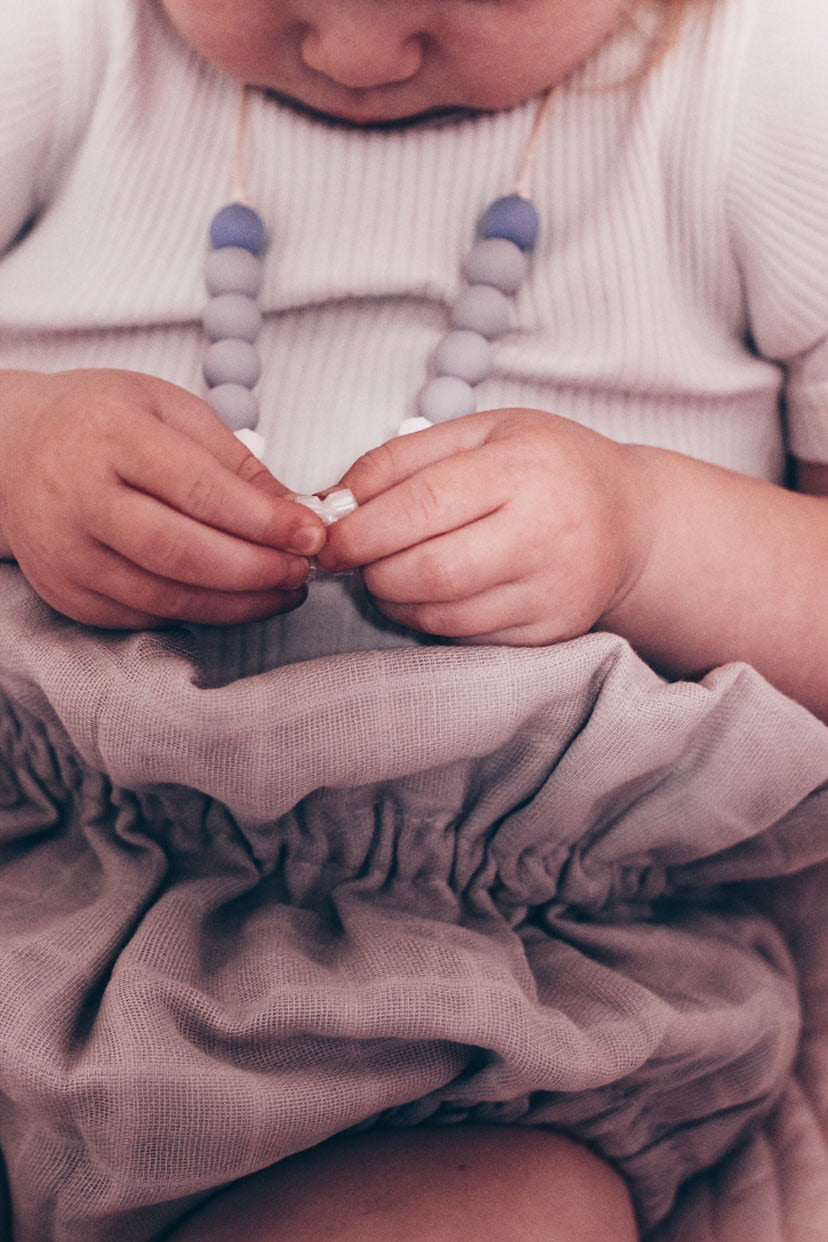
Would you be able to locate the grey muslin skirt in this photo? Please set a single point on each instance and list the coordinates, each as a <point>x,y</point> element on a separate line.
<point>409,887</point>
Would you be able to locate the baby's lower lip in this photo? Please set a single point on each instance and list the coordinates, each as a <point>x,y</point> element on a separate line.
<point>371,112</point>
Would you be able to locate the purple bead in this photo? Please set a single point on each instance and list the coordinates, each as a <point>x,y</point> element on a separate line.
<point>237,225</point>
<point>515,218</point>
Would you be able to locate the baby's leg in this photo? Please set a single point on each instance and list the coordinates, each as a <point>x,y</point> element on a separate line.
<point>489,1183</point>
<point>5,1205</point>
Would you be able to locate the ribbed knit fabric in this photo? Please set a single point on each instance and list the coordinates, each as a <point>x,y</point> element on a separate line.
<point>680,217</point>
<point>677,296</point>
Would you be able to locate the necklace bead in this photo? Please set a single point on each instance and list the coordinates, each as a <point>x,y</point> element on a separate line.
<point>231,361</point>
<point>232,269</point>
<point>464,353</point>
<point>238,225</point>
<point>446,397</point>
<point>496,261</point>
<point>513,218</point>
<point>331,508</point>
<point>494,270</point>
<point>233,314</point>
<point>495,267</point>
<point>232,319</point>
<point>483,309</point>
<point>236,406</point>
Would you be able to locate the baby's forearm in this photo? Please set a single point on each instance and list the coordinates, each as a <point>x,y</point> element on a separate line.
<point>12,396</point>
<point>735,569</point>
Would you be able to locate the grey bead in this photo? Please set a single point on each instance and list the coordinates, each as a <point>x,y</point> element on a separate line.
<point>463,353</point>
<point>236,406</point>
<point>232,315</point>
<point>233,270</point>
<point>446,397</point>
<point>231,362</point>
<point>483,309</point>
<point>496,261</point>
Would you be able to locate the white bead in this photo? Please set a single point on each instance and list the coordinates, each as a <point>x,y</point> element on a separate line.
<point>496,261</point>
<point>315,503</point>
<point>253,441</point>
<point>340,503</point>
<point>468,355</point>
<point>409,425</point>
<point>332,507</point>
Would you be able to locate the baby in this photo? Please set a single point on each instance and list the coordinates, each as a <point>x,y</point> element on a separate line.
<point>650,373</point>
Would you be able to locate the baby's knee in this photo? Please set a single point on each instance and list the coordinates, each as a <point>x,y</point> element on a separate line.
<point>492,1183</point>
<point>566,1192</point>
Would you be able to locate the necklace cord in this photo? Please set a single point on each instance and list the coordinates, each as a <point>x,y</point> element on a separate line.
<point>239,182</point>
<point>523,183</point>
<point>493,271</point>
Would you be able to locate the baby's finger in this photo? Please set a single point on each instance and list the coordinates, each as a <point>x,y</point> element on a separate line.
<point>200,423</point>
<point>397,459</point>
<point>485,617</point>
<point>161,462</point>
<point>443,496</point>
<point>125,595</point>
<point>454,566</point>
<point>149,534</point>
<point>194,418</point>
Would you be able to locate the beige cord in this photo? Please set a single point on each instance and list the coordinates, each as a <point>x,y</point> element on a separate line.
<point>239,183</point>
<point>523,184</point>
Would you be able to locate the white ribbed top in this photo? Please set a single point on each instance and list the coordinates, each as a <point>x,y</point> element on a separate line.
<point>678,295</point>
<point>679,284</point>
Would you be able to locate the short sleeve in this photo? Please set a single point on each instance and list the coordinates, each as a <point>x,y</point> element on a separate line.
<point>51,59</point>
<point>778,207</point>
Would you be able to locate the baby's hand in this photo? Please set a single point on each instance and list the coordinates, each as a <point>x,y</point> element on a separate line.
<point>509,526</point>
<point>127,503</point>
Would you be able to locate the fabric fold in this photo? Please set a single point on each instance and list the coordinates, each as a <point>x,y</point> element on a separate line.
<point>416,886</point>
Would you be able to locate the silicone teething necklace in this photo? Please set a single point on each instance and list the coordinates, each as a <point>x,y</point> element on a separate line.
<point>494,269</point>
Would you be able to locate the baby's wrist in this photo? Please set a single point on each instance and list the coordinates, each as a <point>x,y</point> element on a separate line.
<point>637,501</point>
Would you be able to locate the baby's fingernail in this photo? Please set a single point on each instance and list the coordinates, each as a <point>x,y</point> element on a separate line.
<point>295,576</point>
<point>306,541</point>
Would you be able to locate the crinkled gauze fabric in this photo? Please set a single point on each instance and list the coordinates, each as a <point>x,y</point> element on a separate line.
<point>417,886</point>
